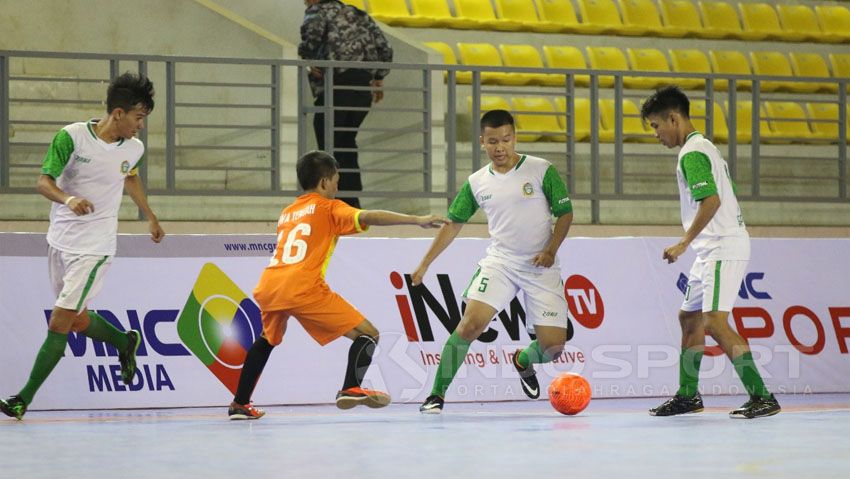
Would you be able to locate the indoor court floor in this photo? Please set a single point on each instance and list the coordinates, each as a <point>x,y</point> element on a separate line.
<point>525,439</point>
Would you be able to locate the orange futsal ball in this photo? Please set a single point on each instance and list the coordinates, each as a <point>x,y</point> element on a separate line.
<point>569,393</point>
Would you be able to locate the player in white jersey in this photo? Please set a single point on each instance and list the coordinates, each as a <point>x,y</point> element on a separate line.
<point>714,228</point>
<point>85,171</point>
<point>519,194</point>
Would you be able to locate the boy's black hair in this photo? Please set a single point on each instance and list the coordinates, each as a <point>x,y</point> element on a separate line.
<point>314,166</point>
<point>497,118</point>
<point>129,90</point>
<point>664,100</point>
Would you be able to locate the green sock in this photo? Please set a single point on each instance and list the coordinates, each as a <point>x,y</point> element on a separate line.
<point>532,355</point>
<point>689,362</point>
<point>48,356</point>
<point>102,330</point>
<point>749,374</point>
<point>454,352</point>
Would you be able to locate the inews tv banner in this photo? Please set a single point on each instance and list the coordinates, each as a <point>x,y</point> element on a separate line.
<point>191,299</point>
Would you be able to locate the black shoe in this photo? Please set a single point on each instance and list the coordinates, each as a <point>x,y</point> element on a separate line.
<point>127,358</point>
<point>528,378</point>
<point>757,407</point>
<point>678,405</point>
<point>13,407</point>
<point>432,405</point>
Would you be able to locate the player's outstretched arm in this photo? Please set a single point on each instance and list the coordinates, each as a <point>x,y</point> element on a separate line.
<point>444,238</point>
<point>133,185</point>
<point>389,218</point>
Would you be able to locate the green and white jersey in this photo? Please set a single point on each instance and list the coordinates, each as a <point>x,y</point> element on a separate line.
<point>702,172</point>
<point>519,206</point>
<point>87,167</point>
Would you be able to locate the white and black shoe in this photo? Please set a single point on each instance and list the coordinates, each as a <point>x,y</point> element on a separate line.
<point>432,405</point>
<point>528,378</point>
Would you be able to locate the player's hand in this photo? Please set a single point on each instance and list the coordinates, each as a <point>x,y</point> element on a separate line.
<point>157,233</point>
<point>316,73</point>
<point>672,253</point>
<point>377,90</point>
<point>432,221</point>
<point>416,277</point>
<point>81,206</point>
<point>543,259</point>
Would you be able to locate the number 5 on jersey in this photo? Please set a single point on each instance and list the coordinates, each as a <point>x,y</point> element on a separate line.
<point>294,249</point>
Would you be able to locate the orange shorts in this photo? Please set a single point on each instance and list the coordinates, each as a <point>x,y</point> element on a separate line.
<point>326,319</point>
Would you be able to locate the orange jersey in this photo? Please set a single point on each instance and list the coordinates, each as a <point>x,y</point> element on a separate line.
<point>307,232</point>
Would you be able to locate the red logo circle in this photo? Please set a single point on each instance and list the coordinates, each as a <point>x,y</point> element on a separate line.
<point>584,301</point>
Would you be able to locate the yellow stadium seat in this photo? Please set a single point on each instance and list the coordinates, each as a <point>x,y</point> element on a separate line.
<point>490,102</point>
<point>484,54</point>
<point>812,65</point>
<point>690,61</point>
<point>448,54</point>
<point>776,64</point>
<point>581,110</point>
<point>732,63</point>
<point>744,122</point>
<point>761,17</point>
<point>531,117</point>
<point>607,58</point>
<point>561,12</point>
<point>437,12</point>
<point>526,56</point>
<point>393,12</point>
<point>834,21</point>
<point>801,20</point>
<point>840,66</point>
<point>481,12</point>
<point>634,129</point>
<point>681,15</point>
<point>567,58</point>
<point>788,122</point>
<point>722,17</point>
<point>356,3</point>
<point>604,14</point>
<point>823,118</point>
<point>647,60</point>
<point>697,114</point>
<point>644,14</point>
<point>524,12</point>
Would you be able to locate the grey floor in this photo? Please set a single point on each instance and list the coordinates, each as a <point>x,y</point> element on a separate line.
<point>611,438</point>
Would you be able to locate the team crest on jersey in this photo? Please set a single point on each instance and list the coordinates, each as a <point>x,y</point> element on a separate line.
<point>125,167</point>
<point>527,189</point>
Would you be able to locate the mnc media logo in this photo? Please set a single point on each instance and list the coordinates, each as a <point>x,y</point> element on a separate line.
<point>218,324</point>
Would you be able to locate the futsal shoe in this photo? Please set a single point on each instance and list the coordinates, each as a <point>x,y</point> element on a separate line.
<point>238,411</point>
<point>348,398</point>
<point>678,405</point>
<point>13,407</point>
<point>527,377</point>
<point>127,358</point>
<point>432,405</point>
<point>757,407</point>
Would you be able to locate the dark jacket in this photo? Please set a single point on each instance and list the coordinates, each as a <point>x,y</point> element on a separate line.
<point>336,31</point>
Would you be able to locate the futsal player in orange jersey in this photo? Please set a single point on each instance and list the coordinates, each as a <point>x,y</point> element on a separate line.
<point>293,284</point>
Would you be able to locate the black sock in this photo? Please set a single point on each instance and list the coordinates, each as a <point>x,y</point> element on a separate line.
<point>359,359</point>
<point>255,361</point>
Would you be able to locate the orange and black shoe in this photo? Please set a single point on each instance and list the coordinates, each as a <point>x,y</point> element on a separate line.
<point>238,411</point>
<point>348,398</point>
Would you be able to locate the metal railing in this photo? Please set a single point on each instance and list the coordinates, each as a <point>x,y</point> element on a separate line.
<point>243,102</point>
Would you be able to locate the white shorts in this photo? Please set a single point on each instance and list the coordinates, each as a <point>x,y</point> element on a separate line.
<point>76,278</point>
<point>496,285</point>
<point>713,285</point>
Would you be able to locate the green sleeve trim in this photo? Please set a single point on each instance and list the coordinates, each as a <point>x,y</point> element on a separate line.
<point>464,205</point>
<point>696,167</point>
<point>556,193</point>
<point>58,154</point>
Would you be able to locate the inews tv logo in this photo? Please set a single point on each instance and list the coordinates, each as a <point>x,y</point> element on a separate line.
<point>218,324</point>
